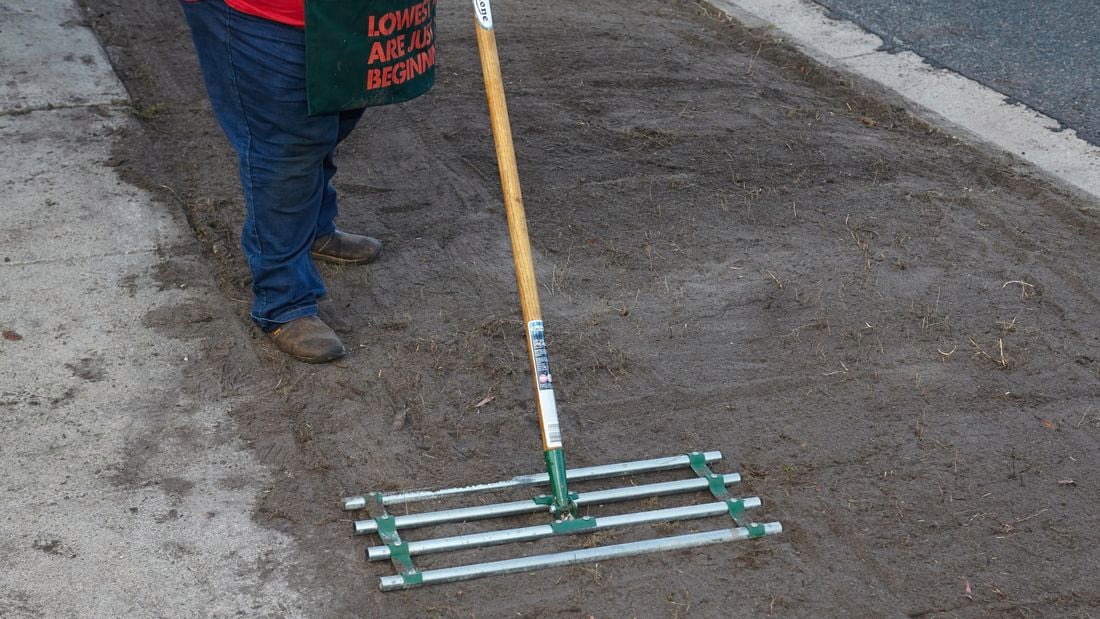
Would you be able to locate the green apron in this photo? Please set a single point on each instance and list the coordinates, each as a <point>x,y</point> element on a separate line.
<point>361,53</point>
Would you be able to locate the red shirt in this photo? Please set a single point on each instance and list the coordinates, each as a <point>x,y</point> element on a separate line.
<point>290,12</point>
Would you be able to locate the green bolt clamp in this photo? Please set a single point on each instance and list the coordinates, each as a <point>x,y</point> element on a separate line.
<point>715,483</point>
<point>547,500</point>
<point>698,462</point>
<point>374,502</point>
<point>756,530</point>
<point>736,509</point>
<point>399,550</point>
<point>575,524</point>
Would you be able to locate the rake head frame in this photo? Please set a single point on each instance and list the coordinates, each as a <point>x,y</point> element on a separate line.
<point>389,528</point>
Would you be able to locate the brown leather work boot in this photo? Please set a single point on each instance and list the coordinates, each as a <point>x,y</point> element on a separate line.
<point>308,339</point>
<point>343,248</point>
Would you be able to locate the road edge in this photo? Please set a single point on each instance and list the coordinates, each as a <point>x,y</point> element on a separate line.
<point>939,96</point>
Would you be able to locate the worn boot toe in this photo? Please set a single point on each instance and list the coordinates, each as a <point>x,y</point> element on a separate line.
<point>345,248</point>
<point>308,339</point>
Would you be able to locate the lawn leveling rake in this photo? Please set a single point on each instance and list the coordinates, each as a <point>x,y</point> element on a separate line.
<point>560,505</point>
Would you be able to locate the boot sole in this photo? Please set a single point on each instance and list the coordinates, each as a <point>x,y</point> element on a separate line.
<point>318,360</point>
<point>345,261</point>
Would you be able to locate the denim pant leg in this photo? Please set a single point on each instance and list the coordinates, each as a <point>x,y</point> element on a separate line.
<point>326,224</point>
<point>255,74</point>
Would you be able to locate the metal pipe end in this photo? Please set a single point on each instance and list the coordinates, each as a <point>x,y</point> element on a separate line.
<point>365,527</point>
<point>353,503</point>
<point>378,553</point>
<point>752,501</point>
<point>773,528</point>
<point>391,583</point>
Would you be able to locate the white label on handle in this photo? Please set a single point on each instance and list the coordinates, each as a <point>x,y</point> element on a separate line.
<point>548,408</point>
<point>551,425</point>
<point>484,14</point>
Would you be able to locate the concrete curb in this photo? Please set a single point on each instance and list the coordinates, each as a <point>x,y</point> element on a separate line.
<point>940,96</point>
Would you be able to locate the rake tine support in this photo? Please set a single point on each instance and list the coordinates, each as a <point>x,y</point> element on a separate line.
<point>463,514</point>
<point>588,524</point>
<point>353,503</point>
<point>588,555</point>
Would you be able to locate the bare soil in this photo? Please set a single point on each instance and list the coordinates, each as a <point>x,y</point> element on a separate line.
<point>892,334</point>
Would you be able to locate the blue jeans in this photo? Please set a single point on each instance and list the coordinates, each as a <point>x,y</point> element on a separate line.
<point>255,74</point>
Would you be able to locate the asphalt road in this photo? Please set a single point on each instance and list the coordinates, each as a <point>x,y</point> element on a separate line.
<point>1042,53</point>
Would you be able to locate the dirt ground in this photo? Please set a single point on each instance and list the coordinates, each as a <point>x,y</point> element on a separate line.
<point>893,335</point>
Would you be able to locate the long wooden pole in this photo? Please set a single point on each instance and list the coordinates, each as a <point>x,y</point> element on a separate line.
<point>521,255</point>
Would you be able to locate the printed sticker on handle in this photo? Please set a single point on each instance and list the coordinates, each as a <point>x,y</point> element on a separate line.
<point>548,408</point>
<point>539,357</point>
<point>484,14</point>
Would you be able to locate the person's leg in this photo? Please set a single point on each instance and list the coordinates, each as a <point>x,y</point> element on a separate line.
<point>255,75</point>
<point>326,223</point>
<point>333,245</point>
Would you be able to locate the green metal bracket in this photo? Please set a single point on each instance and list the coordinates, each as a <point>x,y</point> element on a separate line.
<point>698,462</point>
<point>717,485</point>
<point>755,530</point>
<point>736,509</point>
<point>399,550</point>
<point>572,525</point>
<point>547,500</point>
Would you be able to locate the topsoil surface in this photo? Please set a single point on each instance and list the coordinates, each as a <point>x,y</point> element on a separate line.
<point>893,335</point>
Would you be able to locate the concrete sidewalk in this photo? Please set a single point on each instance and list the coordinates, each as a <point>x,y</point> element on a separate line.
<point>120,497</point>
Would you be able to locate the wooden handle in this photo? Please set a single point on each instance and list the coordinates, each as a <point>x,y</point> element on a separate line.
<point>509,175</point>
<point>521,249</point>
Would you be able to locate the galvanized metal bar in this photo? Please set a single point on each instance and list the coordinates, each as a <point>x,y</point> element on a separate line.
<point>664,488</point>
<point>600,553</point>
<point>461,514</point>
<point>538,479</point>
<point>481,512</point>
<point>523,534</point>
